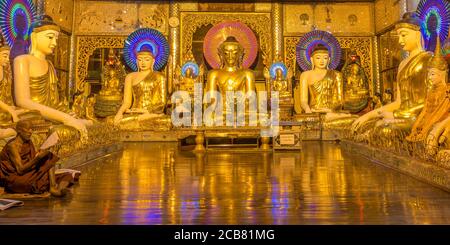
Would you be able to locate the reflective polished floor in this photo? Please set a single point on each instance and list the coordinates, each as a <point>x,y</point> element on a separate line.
<point>154,183</point>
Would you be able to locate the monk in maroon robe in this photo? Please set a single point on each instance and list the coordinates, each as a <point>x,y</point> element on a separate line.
<point>23,170</point>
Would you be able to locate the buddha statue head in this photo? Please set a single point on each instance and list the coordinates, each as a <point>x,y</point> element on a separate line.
<point>408,30</point>
<point>231,53</point>
<point>145,59</point>
<point>44,36</point>
<point>320,57</point>
<point>437,68</point>
<point>189,73</point>
<point>279,74</point>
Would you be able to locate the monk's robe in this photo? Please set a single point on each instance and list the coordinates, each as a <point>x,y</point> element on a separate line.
<point>37,179</point>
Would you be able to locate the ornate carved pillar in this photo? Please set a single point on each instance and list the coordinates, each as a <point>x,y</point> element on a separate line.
<point>72,83</point>
<point>277,30</point>
<point>376,78</point>
<point>174,40</point>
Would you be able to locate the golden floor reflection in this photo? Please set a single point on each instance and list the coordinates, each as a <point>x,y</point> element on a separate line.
<point>155,183</point>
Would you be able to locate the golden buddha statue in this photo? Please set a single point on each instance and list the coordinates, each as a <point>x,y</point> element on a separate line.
<point>321,89</point>
<point>356,87</point>
<point>279,79</point>
<point>36,83</point>
<point>231,76</point>
<point>437,102</point>
<point>89,110</point>
<point>144,97</point>
<point>109,98</point>
<point>187,76</point>
<point>394,120</point>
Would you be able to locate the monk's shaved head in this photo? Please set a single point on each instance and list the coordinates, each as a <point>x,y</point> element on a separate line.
<point>23,124</point>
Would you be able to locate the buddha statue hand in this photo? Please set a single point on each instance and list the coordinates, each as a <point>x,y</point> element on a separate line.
<point>438,135</point>
<point>323,110</point>
<point>78,125</point>
<point>14,116</point>
<point>118,118</point>
<point>356,125</point>
<point>147,116</point>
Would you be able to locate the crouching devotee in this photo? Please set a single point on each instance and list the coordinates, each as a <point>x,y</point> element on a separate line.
<point>23,170</point>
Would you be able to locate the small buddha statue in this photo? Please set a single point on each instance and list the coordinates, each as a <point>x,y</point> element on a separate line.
<point>144,98</point>
<point>112,74</point>
<point>321,89</point>
<point>36,82</point>
<point>109,99</point>
<point>8,113</point>
<point>279,79</point>
<point>89,110</point>
<point>356,87</point>
<point>186,80</point>
<point>437,103</point>
<point>231,76</point>
<point>394,120</point>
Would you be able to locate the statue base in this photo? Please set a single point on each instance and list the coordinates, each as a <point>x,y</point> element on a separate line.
<point>215,138</point>
<point>107,105</point>
<point>425,171</point>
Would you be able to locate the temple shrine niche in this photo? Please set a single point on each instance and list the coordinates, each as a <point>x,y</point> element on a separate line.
<point>89,78</point>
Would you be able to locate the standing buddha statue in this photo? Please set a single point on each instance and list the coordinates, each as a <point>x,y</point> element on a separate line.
<point>144,97</point>
<point>394,120</point>
<point>36,83</point>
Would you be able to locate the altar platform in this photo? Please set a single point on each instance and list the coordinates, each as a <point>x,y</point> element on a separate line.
<point>428,172</point>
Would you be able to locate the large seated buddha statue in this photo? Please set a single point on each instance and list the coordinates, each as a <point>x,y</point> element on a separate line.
<point>144,98</point>
<point>36,85</point>
<point>231,77</point>
<point>321,89</point>
<point>394,120</point>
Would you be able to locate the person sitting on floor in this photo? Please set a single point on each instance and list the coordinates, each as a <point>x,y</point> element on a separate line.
<point>23,170</point>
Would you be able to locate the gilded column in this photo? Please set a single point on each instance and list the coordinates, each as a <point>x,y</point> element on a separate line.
<point>376,83</point>
<point>174,39</point>
<point>277,30</point>
<point>72,82</point>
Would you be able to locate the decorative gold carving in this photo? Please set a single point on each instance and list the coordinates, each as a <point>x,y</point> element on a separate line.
<point>120,18</point>
<point>174,40</point>
<point>154,16</point>
<point>387,12</point>
<point>277,30</point>
<point>362,46</point>
<point>263,7</point>
<point>61,12</point>
<point>190,22</point>
<point>302,18</point>
<point>227,7</point>
<point>86,45</point>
